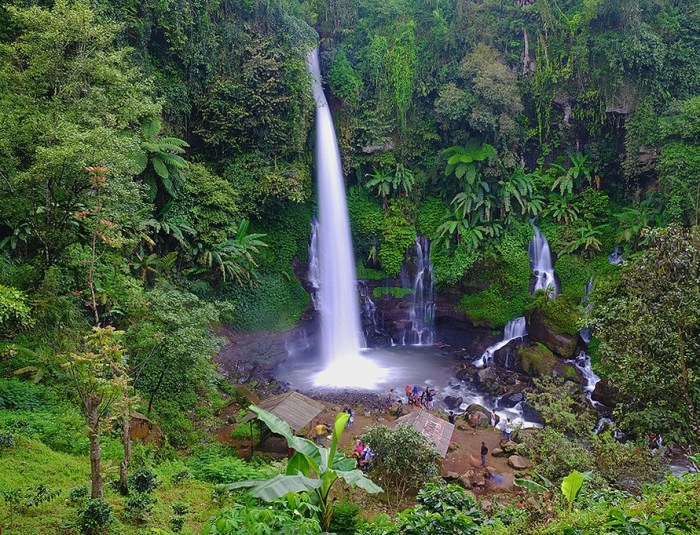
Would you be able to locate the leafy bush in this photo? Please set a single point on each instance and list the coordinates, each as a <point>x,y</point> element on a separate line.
<point>216,465</point>
<point>250,519</point>
<point>555,454</point>
<point>405,459</point>
<point>21,396</point>
<point>441,510</point>
<point>139,507</point>
<point>180,511</point>
<point>143,481</point>
<point>7,439</point>
<point>95,516</point>
<point>344,519</point>
<point>78,495</point>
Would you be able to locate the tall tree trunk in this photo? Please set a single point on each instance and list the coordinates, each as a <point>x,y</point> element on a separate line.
<point>124,465</point>
<point>95,454</point>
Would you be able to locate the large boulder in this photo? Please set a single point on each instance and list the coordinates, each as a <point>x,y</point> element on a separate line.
<point>453,402</point>
<point>483,414</point>
<point>604,393</point>
<point>519,463</point>
<point>553,323</point>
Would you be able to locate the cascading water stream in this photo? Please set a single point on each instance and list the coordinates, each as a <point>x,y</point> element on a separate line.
<point>541,263</point>
<point>585,332</point>
<point>514,329</point>
<point>422,311</point>
<point>337,300</point>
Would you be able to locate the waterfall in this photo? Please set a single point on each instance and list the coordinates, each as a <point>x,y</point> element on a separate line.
<point>338,303</point>
<point>585,332</point>
<point>514,329</point>
<point>313,263</point>
<point>616,256</point>
<point>583,363</point>
<point>421,315</point>
<point>541,263</point>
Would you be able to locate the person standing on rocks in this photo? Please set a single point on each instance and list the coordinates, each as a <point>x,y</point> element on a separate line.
<point>484,453</point>
<point>494,418</point>
<point>390,397</point>
<point>451,417</point>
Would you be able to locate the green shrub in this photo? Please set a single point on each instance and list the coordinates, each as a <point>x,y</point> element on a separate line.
<point>144,481</point>
<point>555,454</point>
<point>344,519</point>
<point>405,459</point>
<point>7,439</point>
<point>95,516</point>
<point>451,265</point>
<point>139,507</point>
<point>21,396</point>
<point>77,496</point>
<point>217,465</point>
<point>180,510</point>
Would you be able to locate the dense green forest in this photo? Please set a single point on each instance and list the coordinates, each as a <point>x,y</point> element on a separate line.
<point>156,184</point>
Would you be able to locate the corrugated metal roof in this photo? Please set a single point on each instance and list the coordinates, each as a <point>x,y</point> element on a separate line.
<point>294,408</point>
<point>436,430</point>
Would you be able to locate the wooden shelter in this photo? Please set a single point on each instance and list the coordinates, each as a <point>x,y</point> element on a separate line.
<point>436,430</point>
<point>292,407</point>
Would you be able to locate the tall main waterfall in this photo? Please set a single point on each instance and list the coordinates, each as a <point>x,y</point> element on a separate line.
<point>541,263</point>
<point>337,299</point>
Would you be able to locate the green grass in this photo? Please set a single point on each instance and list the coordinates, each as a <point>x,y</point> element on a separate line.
<point>31,463</point>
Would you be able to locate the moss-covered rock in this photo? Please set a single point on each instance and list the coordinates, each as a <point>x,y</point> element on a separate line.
<point>553,322</point>
<point>536,359</point>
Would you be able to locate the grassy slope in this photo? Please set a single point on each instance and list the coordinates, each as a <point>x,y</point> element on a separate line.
<point>31,463</point>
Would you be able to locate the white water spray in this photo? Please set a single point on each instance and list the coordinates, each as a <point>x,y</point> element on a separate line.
<point>337,287</point>
<point>514,329</point>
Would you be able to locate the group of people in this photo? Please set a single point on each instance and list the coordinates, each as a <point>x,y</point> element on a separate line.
<point>364,455</point>
<point>420,398</point>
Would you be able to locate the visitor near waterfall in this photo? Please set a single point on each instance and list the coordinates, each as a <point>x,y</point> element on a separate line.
<point>484,453</point>
<point>321,433</point>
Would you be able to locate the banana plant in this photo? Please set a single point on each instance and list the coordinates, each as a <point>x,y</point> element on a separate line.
<point>312,468</point>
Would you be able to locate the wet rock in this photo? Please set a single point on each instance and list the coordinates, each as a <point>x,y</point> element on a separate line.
<point>530,414</point>
<point>511,400</point>
<point>604,393</point>
<point>453,402</point>
<point>487,374</point>
<point>497,452</point>
<point>519,463</point>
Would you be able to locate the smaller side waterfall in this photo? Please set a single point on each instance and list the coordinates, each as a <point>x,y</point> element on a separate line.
<point>514,329</point>
<point>541,263</point>
<point>616,256</point>
<point>583,363</point>
<point>369,313</point>
<point>418,273</point>
<point>585,332</point>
